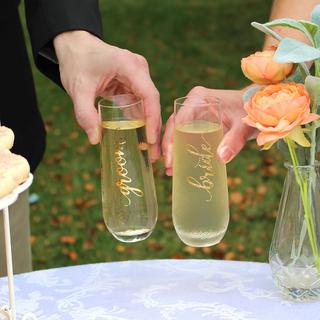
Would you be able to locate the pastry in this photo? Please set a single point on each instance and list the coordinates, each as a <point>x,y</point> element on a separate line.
<point>14,169</point>
<point>14,165</point>
<point>6,138</point>
<point>7,185</point>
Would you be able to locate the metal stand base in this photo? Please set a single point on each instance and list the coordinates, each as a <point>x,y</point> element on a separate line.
<point>9,313</point>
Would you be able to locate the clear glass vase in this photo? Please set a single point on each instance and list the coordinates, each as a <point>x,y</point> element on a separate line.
<point>294,252</point>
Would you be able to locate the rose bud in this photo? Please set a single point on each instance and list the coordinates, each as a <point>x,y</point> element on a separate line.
<point>262,69</point>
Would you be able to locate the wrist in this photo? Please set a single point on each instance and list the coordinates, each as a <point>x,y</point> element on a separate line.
<point>74,36</point>
<point>74,41</point>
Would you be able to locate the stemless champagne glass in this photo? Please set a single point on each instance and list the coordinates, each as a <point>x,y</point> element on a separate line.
<point>128,192</point>
<point>200,191</point>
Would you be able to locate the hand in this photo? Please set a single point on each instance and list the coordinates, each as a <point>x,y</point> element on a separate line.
<point>236,133</point>
<point>90,67</point>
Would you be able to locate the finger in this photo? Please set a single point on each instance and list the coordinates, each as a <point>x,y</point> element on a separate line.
<point>135,74</point>
<point>155,148</point>
<point>190,110</point>
<point>146,90</point>
<point>200,103</point>
<point>143,62</point>
<point>207,101</point>
<point>114,87</point>
<point>155,152</point>
<point>86,114</point>
<point>233,141</point>
<point>167,143</point>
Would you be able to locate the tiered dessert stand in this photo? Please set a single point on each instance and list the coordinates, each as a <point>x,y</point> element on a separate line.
<point>9,312</point>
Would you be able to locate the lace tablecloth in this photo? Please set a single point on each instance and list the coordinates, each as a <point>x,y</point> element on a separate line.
<point>156,289</point>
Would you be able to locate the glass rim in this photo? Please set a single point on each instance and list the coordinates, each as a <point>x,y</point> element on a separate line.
<point>213,99</point>
<point>289,165</point>
<point>110,98</point>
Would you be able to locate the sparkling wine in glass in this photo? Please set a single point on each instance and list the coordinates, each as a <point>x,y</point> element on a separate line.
<point>200,192</point>
<point>128,192</point>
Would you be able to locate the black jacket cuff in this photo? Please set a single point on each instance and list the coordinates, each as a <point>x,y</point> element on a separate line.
<point>48,18</point>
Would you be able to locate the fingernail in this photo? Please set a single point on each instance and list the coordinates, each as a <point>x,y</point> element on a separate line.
<point>225,154</point>
<point>94,135</point>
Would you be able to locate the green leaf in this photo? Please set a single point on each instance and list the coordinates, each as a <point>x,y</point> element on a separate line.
<point>312,85</point>
<point>315,15</point>
<point>296,77</point>
<point>313,28</point>
<point>291,23</point>
<point>304,70</point>
<point>293,51</point>
<point>317,39</point>
<point>249,92</point>
<point>266,30</point>
<point>298,136</point>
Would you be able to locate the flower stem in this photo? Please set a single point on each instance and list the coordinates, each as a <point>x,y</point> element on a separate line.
<point>313,137</point>
<point>316,66</point>
<point>305,192</point>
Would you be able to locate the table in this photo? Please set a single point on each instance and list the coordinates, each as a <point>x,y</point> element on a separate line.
<point>156,289</point>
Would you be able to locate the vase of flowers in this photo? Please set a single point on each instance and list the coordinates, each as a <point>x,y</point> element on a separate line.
<point>284,106</point>
<point>294,252</point>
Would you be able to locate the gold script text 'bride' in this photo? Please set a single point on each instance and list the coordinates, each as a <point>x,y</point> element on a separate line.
<point>204,161</point>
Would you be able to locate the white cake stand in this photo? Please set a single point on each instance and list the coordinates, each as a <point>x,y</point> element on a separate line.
<point>5,311</point>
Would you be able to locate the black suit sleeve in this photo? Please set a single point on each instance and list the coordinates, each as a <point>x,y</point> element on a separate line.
<point>48,18</point>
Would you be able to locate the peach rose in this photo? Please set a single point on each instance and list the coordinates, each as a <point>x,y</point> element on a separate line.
<point>278,111</point>
<point>260,68</point>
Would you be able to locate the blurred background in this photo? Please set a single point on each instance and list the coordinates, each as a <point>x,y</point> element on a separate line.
<point>187,43</point>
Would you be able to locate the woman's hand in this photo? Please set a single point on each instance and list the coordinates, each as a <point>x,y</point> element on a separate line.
<point>236,133</point>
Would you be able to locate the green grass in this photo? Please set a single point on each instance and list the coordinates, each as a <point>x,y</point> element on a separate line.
<point>187,43</point>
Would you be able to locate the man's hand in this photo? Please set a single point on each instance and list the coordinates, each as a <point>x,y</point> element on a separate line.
<point>236,133</point>
<point>90,67</point>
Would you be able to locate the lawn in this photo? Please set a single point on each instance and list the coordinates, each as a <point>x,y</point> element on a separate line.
<point>187,43</point>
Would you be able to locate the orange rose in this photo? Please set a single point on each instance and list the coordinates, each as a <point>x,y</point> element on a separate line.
<point>260,68</point>
<point>277,111</point>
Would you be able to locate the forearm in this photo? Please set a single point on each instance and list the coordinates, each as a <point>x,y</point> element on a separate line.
<point>295,9</point>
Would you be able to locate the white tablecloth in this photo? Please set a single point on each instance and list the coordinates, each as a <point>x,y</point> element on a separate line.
<point>156,289</point>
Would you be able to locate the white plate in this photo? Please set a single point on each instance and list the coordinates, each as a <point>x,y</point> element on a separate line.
<point>13,196</point>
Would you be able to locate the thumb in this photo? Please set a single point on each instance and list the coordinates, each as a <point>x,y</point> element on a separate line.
<point>87,115</point>
<point>233,141</point>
